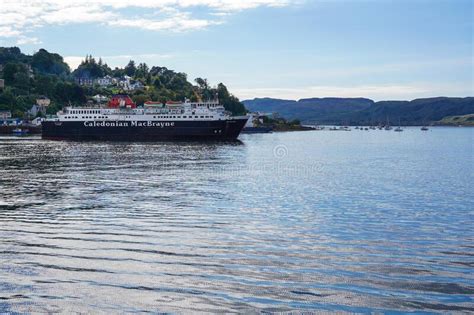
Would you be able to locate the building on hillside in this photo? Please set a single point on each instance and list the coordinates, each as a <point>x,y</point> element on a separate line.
<point>5,114</point>
<point>2,83</point>
<point>34,110</point>
<point>127,84</point>
<point>43,101</point>
<point>100,98</point>
<point>137,85</point>
<point>105,81</point>
<point>84,81</point>
<point>40,107</point>
<point>124,82</point>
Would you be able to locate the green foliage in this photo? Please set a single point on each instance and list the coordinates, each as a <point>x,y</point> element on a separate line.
<point>91,69</point>
<point>462,120</point>
<point>45,84</point>
<point>67,92</point>
<point>12,71</point>
<point>130,68</point>
<point>46,63</point>
<point>295,122</point>
<point>44,73</point>
<point>12,54</point>
<point>230,102</point>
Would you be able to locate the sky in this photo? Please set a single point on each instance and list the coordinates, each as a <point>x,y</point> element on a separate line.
<point>292,49</point>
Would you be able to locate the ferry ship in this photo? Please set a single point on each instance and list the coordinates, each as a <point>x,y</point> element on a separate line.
<point>122,120</point>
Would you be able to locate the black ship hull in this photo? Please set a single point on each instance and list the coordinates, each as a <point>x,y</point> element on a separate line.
<point>216,130</point>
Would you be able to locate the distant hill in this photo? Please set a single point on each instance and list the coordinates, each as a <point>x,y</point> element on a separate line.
<point>464,120</point>
<point>364,111</point>
<point>309,109</point>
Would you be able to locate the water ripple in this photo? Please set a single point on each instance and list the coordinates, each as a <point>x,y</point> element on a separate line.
<point>341,223</point>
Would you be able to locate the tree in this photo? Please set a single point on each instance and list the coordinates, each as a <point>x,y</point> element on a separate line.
<point>142,71</point>
<point>202,83</point>
<point>44,84</point>
<point>130,68</point>
<point>230,102</point>
<point>9,71</point>
<point>47,63</point>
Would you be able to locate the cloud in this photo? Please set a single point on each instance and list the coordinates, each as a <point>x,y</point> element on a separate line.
<point>7,31</point>
<point>18,18</point>
<point>23,40</point>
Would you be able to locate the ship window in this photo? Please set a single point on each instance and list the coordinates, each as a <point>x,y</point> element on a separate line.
<point>184,116</point>
<point>207,116</point>
<point>202,116</point>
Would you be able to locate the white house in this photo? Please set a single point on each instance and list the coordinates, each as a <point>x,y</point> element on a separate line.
<point>105,81</point>
<point>100,98</point>
<point>137,85</point>
<point>124,82</point>
<point>128,84</point>
<point>84,81</point>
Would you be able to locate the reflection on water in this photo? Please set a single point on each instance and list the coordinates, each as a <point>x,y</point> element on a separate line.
<point>287,221</point>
